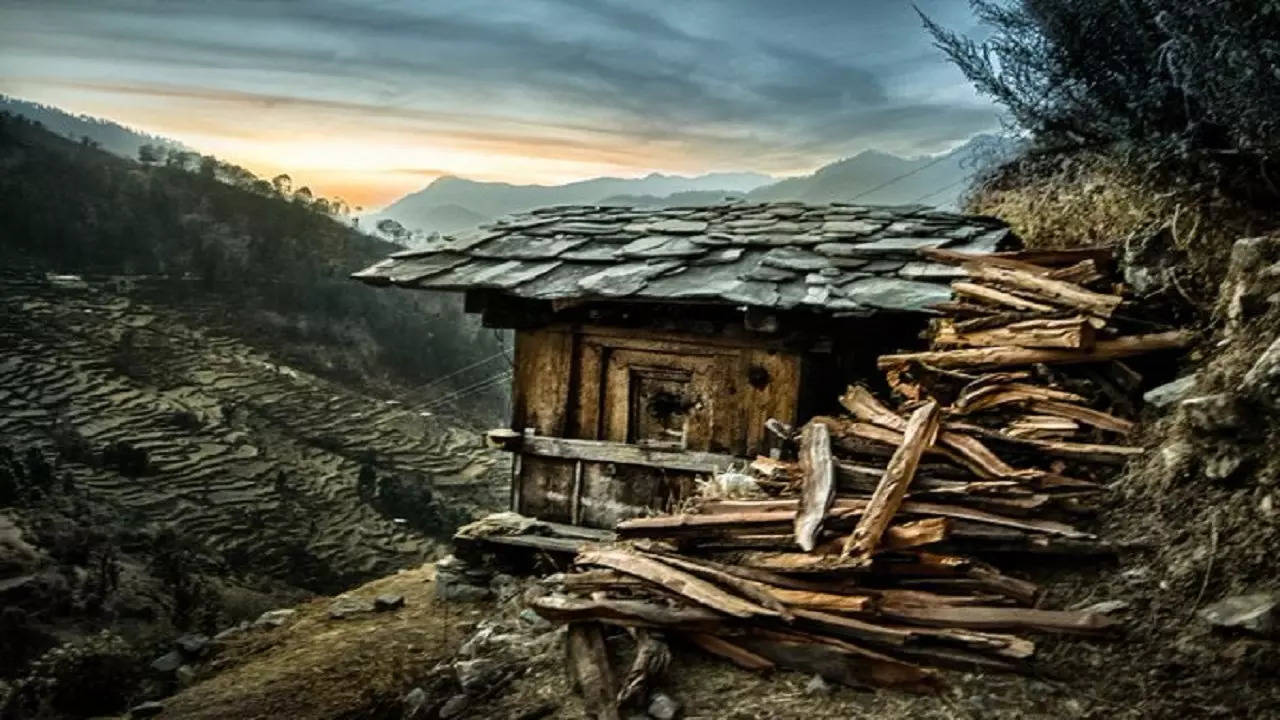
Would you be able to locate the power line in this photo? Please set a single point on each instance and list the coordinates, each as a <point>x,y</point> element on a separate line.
<point>904,175</point>
<point>943,189</point>
<point>433,383</point>
<point>456,394</point>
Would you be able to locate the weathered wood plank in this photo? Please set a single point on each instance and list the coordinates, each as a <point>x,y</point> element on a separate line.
<point>735,654</point>
<point>1003,618</point>
<point>589,660</point>
<point>677,581</point>
<point>627,613</point>
<point>920,432</point>
<point>1040,333</point>
<point>819,478</point>
<point>1057,292</point>
<point>626,454</point>
<point>1007,356</point>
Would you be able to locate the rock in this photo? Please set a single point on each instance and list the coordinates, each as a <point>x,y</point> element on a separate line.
<point>504,587</point>
<point>452,585</point>
<point>274,618</point>
<point>1149,262</point>
<point>345,606</point>
<point>186,675</point>
<point>663,707</point>
<point>533,619</point>
<point>1170,392</point>
<point>167,663</point>
<point>1262,381</point>
<point>454,707</point>
<point>475,675</point>
<point>1255,614</point>
<point>817,686</point>
<point>414,704</point>
<point>192,644</point>
<point>1224,462</point>
<point>1219,412</point>
<point>384,603</point>
<point>151,708</point>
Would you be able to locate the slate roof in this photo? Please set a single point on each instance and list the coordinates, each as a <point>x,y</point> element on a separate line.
<point>783,255</point>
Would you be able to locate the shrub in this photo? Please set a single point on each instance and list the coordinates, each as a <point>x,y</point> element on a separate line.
<point>1189,81</point>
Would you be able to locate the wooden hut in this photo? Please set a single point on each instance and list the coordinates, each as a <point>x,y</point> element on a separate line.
<point>653,346</point>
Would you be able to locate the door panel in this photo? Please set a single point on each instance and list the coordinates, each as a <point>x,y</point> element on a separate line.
<point>677,400</point>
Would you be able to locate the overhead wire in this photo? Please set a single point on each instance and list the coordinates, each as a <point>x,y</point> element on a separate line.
<point>461,392</point>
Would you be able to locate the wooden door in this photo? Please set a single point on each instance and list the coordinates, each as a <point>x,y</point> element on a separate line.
<point>669,399</point>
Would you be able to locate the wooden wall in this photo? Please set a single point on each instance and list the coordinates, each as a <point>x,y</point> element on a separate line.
<point>578,382</point>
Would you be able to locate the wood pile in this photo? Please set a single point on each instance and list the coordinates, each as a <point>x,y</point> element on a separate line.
<point>868,559</point>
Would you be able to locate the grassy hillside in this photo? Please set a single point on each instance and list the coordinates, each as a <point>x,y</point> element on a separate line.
<point>274,268</point>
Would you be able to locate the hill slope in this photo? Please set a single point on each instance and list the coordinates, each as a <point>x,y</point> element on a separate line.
<point>110,136</point>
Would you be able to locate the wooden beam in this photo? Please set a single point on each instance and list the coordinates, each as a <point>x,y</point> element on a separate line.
<point>819,477</point>
<point>626,454</point>
<point>1007,356</point>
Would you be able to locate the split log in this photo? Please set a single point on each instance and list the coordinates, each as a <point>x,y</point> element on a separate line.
<point>589,661</point>
<point>735,654</point>
<point>819,479</point>
<point>1081,273</point>
<point>839,661</point>
<point>626,613</point>
<point>1040,333</point>
<point>999,298</point>
<point>1057,292</point>
<point>679,582</point>
<point>1040,261</point>
<point>750,589</point>
<point>1004,618</point>
<point>1088,416</point>
<point>1006,356</point>
<point>992,395</point>
<point>652,659</point>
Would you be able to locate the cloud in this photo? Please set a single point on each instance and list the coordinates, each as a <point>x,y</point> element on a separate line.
<point>724,83</point>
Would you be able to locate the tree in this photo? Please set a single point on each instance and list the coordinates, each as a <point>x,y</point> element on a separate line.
<point>148,154</point>
<point>283,184</point>
<point>1186,79</point>
<point>394,231</point>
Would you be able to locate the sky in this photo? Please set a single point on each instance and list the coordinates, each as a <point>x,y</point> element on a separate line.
<point>371,100</point>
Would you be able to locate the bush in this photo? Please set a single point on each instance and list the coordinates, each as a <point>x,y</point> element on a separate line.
<point>94,676</point>
<point>1189,81</point>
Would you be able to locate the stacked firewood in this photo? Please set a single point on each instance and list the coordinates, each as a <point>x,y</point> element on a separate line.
<point>868,558</point>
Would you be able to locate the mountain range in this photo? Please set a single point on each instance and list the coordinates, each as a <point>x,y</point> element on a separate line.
<point>451,203</point>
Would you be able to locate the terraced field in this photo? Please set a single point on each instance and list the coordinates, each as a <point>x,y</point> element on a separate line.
<point>255,459</point>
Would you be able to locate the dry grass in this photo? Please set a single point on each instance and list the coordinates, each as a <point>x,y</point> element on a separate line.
<point>1096,198</point>
<point>315,667</point>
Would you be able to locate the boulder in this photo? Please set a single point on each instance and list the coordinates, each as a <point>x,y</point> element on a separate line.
<point>167,663</point>
<point>192,644</point>
<point>1170,392</point>
<point>186,675</point>
<point>384,603</point>
<point>414,704</point>
<point>454,707</point>
<point>345,606</point>
<point>1254,614</point>
<point>475,675</point>
<point>663,707</point>
<point>1216,413</point>
<point>1262,381</point>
